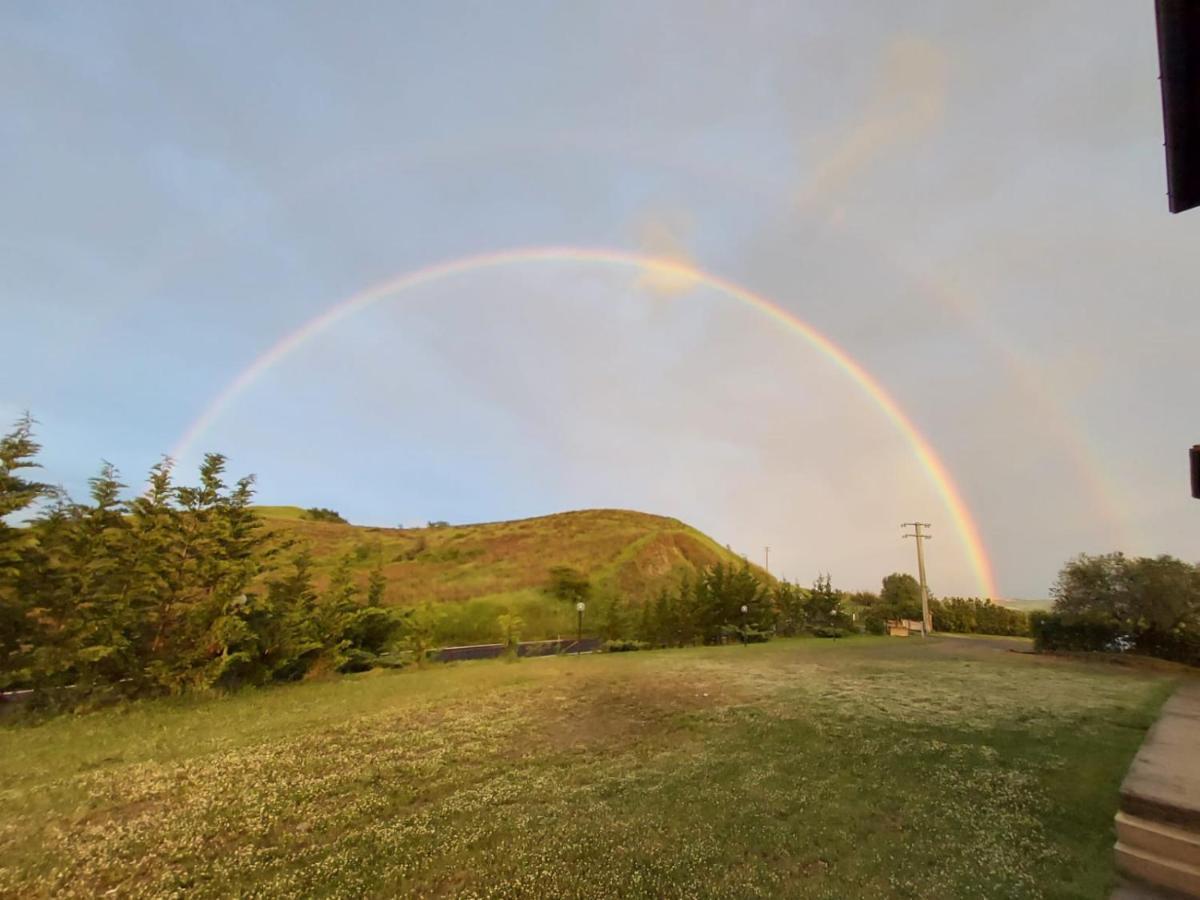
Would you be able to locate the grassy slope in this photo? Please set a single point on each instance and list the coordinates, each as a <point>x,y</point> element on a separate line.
<point>495,567</point>
<point>866,767</point>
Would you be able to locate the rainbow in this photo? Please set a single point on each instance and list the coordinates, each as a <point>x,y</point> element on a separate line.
<point>964,523</point>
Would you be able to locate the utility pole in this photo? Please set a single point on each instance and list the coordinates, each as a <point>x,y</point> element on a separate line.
<point>767,560</point>
<point>926,619</point>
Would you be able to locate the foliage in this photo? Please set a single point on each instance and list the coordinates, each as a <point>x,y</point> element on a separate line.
<point>510,631</point>
<point>418,628</point>
<point>1100,602</point>
<point>569,584</point>
<point>1096,633</point>
<point>900,597</point>
<point>1138,594</point>
<point>790,603</point>
<point>970,615</point>
<point>321,514</point>
<point>873,623</point>
<point>179,588</point>
<point>615,616</point>
<point>624,646</point>
<point>824,604</point>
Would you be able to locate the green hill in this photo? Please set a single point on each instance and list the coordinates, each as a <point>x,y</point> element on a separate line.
<point>474,573</point>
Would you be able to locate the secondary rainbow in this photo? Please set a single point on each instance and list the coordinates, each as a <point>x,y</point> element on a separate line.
<point>964,522</point>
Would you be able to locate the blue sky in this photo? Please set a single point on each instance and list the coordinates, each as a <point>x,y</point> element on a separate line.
<point>969,198</point>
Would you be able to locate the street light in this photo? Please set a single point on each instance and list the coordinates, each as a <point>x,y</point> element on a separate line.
<point>579,608</point>
<point>745,609</point>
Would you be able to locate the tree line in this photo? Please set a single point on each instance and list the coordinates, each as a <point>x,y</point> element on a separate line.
<point>181,587</point>
<point>730,603</point>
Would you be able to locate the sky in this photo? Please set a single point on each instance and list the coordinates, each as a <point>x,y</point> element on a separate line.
<point>967,199</point>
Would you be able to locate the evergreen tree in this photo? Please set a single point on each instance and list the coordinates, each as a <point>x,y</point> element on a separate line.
<point>645,630</point>
<point>614,618</point>
<point>376,587</point>
<point>18,452</point>
<point>824,603</point>
<point>662,617</point>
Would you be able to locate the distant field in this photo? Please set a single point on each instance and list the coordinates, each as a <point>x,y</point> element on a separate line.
<point>870,767</point>
<point>477,572</point>
<point>1029,605</point>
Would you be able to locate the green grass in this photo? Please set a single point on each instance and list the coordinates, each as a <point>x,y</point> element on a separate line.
<point>869,767</point>
<point>293,513</point>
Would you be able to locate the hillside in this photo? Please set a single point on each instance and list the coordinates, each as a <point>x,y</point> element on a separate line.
<point>476,572</point>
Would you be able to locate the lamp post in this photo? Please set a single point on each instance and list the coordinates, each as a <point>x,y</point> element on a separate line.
<point>745,609</point>
<point>579,608</point>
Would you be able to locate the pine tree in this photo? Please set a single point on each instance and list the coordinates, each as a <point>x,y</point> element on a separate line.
<point>18,451</point>
<point>614,619</point>
<point>664,628</point>
<point>646,625</point>
<point>376,587</point>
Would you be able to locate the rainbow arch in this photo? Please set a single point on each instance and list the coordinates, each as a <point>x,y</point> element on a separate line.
<point>964,522</point>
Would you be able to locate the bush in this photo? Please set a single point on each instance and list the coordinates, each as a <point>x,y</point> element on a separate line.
<point>1095,633</point>
<point>874,624</point>
<point>321,514</point>
<point>624,646</point>
<point>826,631</point>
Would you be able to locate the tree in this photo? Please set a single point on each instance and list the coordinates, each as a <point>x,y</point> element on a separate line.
<point>18,452</point>
<point>664,624</point>
<point>614,626</point>
<point>1158,594</point>
<point>510,632</point>
<point>569,584</point>
<point>790,602</point>
<point>823,603</point>
<point>376,587</point>
<point>900,597</point>
<point>718,596</point>
<point>418,627</point>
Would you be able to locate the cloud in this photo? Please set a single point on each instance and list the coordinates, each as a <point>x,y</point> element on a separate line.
<point>907,101</point>
<point>662,236</point>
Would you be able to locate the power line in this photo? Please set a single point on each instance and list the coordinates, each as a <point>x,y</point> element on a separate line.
<point>926,619</point>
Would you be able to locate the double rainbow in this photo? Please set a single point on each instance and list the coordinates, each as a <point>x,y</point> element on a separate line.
<point>964,522</point>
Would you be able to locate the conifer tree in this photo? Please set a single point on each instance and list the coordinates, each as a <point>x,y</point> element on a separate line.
<point>18,452</point>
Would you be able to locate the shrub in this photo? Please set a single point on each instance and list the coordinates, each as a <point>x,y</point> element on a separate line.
<point>624,646</point>
<point>873,623</point>
<point>1097,633</point>
<point>826,631</point>
<point>321,514</point>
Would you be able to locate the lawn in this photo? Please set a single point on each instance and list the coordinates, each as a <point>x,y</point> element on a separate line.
<point>870,767</point>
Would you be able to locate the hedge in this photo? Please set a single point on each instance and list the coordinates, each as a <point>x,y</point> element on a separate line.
<point>1052,631</point>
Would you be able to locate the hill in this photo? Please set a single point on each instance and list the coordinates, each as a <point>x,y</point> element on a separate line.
<point>474,573</point>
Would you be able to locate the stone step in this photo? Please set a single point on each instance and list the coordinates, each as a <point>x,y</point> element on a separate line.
<point>1163,782</point>
<point>1168,841</point>
<point>1158,871</point>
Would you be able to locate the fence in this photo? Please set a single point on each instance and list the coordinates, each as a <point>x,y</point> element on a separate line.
<point>524,648</point>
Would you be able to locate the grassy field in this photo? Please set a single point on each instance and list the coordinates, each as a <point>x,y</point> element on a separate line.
<point>477,572</point>
<point>868,767</point>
